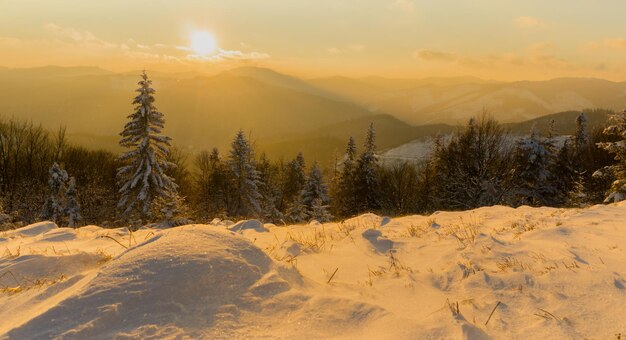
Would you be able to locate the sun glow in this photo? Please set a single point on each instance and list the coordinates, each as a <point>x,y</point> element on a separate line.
<point>203,42</point>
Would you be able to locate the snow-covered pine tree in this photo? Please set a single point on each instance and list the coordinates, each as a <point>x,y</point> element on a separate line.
<point>72,207</point>
<point>532,171</point>
<point>269,190</point>
<point>617,128</point>
<point>170,210</point>
<point>142,178</point>
<point>294,179</point>
<point>581,138</point>
<point>320,211</point>
<point>426,185</point>
<point>344,201</point>
<point>246,196</point>
<point>350,154</point>
<point>577,196</point>
<point>564,172</point>
<point>53,209</point>
<point>297,211</point>
<point>366,179</point>
<point>315,189</point>
<point>473,168</point>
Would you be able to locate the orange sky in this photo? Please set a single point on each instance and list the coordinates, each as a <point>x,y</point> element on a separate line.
<point>491,39</point>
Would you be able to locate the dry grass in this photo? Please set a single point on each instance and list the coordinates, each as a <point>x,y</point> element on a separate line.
<point>104,256</point>
<point>513,264</point>
<point>13,254</point>
<point>469,268</point>
<point>314,241</point>
<point>396,267</point>
<point>465,232</point>
<point>419,231</point>
<point>122,242</point>
<point>26,284</point>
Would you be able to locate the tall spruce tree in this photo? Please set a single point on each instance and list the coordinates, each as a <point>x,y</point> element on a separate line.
<point>246,196</point>
<point>617,128</point>
<point>366,179</point>
<point>143,177</point>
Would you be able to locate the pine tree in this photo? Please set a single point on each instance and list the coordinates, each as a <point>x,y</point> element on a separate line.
<point>53,209</point>
<point>315,187</point>
<point>320,211</point>
<point>171,210</point>
<point>314,196</point>
<point>366,174</point>
<point>581,139</point>
<point>212,184</point>
<point>617,128</point>
<point>297,211</point>
<point>577,196</point>
<point>72,207</point>
<point>269,190</point>
<point>246,182</point>
<point>532,171</point>
<point>350,154</point>
<point>142,178</point>
<point>426,185</point>
<point>344,199</point>
<point>294,179</point>
<point>564,173</point>
<point>474,168</point>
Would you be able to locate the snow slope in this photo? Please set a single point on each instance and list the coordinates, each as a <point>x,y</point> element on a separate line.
<point>549,273</point>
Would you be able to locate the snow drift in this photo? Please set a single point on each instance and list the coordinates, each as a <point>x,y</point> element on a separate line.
<point>491,272</point>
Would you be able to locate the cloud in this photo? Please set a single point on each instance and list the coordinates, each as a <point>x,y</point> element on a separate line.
<point>78,37</point>
<point>226,55</point>
<point>536,55</point>
<point>527,22</point>
<point>67,42</point>
<point>430,55</point>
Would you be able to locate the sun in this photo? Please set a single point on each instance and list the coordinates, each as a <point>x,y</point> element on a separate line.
<point>203,42</point>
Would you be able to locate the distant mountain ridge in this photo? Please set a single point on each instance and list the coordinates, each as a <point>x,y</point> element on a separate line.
<point>286,114</point>
<point>455,101</point>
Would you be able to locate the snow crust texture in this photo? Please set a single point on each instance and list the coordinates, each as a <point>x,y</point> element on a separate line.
<point>493,272</point>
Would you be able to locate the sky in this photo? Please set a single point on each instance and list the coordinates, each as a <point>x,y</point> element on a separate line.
<point>490,39</point>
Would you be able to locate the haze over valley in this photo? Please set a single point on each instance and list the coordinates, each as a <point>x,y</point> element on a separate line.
<point>285,114</point>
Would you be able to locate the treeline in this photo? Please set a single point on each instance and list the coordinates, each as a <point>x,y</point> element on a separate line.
<point>479,165</point>
<point>27,153</point>
<point>482,164</point>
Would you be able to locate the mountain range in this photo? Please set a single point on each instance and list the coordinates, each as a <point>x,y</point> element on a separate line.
<point>284,114</point>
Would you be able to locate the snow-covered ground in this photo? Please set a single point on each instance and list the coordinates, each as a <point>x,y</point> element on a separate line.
<point>492,272</point>
<point>420,150</point>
